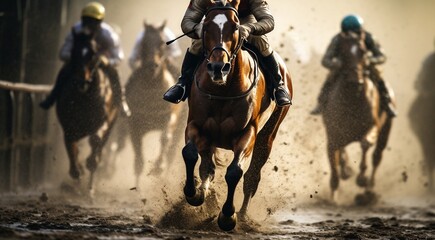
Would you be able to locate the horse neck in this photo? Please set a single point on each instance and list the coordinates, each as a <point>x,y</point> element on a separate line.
<point>238,71</point>
<point>352,86</point>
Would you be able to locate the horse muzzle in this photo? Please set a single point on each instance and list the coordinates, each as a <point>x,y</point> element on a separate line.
<point>218,71</point>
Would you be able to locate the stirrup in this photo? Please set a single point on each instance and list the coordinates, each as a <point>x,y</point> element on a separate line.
<point>171,99</point>
<point>286,101</point>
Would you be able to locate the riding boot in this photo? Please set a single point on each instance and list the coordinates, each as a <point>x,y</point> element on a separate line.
<point>118,91</point>
<point>280,94</point>
<point>55,92</point>
<point>323,96</point>
<point>385,99</point>
<point>180,91</point>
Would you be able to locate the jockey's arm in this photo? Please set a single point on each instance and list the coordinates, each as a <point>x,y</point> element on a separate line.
<point>330,59</point>
<point>373,46</point>
<point>65,51</point>
<point>114,52</point>
<point>193,16</point>
<point>265,21</point>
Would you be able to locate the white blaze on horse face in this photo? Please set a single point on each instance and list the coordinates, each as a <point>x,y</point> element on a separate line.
<point>220,20</point>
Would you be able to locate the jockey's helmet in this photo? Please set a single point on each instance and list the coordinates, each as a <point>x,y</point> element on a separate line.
<point>352,23</point>
<point>94,10</point>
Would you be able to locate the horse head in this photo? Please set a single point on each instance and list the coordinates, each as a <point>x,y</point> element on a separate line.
<point>153,45</point>
<point>352,52</point>
<point>83,60</point>
<point>221,39</point>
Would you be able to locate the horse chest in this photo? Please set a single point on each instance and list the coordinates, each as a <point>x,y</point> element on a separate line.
<point>224,123</point>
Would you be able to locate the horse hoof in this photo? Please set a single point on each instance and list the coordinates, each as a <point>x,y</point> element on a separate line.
<point>365,199</point>
<point>197,199</point>
<point>361,181</point>
<point>227,223</point>
<point>75,174</point>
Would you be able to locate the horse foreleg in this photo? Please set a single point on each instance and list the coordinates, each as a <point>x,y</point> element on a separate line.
<point>206,170</point>
<point>136,140</point>
<point>345,170</point>
<point>227,218</point>
<point>380,146</point>
<point>194,196</point>
<point>165,140</point>
<point>97,142</point>
<point>334,157</point>
<point>361,180</point>
<point>92,161</point>
<point>75,170</point>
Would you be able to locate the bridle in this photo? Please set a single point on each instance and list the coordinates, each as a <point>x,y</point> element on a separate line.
<point>220,46</point>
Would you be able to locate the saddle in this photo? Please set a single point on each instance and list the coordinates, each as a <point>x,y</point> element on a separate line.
<point>267,75</point>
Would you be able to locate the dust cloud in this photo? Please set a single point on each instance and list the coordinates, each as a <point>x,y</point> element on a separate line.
<point>297,173</point>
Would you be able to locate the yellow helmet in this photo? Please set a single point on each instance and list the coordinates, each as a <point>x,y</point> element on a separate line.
<point>94,10</point>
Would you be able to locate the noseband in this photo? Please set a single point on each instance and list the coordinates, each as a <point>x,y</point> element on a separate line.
<point>231,57</point>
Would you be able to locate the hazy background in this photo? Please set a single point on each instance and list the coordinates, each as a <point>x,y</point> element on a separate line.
<point>405,30</point>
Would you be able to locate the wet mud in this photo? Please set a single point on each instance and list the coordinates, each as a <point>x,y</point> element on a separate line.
<point>60,217</point>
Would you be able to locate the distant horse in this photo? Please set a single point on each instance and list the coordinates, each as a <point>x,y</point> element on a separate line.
<point>85,107</point>
<point>353,113</point>
<point>143,93</point>
<point>229,108</point>
<point>422,117</point>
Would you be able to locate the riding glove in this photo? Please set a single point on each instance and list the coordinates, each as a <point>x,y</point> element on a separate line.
<point>244,31</point>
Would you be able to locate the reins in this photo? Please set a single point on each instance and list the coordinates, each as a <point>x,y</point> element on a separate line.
<point>231,58</point>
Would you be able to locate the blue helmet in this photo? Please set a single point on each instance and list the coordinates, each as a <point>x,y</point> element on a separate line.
<point>351,23</point>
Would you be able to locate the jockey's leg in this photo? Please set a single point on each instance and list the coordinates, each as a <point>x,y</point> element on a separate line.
<point>385,97</point>
<point>280,92</point>
<point>386,103</point>
<point>55,92</point>
<point>180,91</point>
<point>117,89</point>
<point>323,95</point>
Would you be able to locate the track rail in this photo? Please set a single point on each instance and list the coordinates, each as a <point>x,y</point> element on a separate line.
<point>25,87</point>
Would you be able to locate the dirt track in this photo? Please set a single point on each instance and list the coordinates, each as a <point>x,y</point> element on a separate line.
<point>33,217</point>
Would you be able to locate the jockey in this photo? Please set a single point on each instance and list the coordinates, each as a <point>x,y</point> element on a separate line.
<point>108,47</point>
<point>256,21</point>
<point>172,52</point>
<point>354,23</point>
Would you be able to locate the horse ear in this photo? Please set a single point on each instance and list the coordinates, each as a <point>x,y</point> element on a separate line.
<point>163,25</point>
<point>145,23</point>
<point>235,4</point>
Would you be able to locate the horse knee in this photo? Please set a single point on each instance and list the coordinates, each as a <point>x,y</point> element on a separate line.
<point>190,153</point>
<point>233,175</point>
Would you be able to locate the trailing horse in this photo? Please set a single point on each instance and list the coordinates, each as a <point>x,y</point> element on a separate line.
<point>144,86</point>
<point>85,107</point>
<point>229,108</point>
<point>353,113</point>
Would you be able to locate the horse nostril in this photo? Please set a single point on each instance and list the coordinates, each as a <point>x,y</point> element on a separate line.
<point>210,67</point>
<point>226,68</point>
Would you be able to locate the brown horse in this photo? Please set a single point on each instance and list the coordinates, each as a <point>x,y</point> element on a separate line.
<point>85,107</point>
<point>229,108</point>
<point>144,86</point>
<point>353,113</point>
